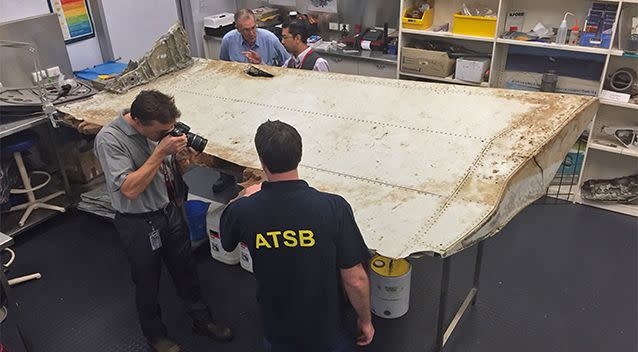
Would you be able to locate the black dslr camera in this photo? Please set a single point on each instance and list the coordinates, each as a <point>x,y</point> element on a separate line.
<point>194,141</point>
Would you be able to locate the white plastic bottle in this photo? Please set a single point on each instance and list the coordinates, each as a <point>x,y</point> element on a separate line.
<point>561,36</point>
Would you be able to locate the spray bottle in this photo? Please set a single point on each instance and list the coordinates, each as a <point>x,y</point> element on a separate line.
<point>561,35</point>
<point>574,35</point>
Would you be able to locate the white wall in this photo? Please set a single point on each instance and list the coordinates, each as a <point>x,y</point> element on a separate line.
<point>18,9</point>
<point>135,25</point>
<point>82,54</point>
<point>201,9</point>
<point>85,53</point>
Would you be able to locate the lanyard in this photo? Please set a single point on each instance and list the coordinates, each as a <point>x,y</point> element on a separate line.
<point>170,186</point>
<point>304,58</point>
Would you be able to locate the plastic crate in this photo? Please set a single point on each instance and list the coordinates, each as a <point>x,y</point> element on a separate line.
<point>595,41</point>
<point>474,25</point>
<point>424,22</point>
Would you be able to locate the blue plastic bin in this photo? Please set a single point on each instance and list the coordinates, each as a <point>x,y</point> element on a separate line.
<point>196,211</point>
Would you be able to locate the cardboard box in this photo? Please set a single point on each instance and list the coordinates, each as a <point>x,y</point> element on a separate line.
<point>471,69</point>
<point>426,62</point>
<point>81,166</point>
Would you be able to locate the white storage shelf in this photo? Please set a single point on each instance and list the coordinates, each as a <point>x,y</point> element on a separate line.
<point>607,166</point>
<point>612,165</point>
<point>576,48</point>
<point>627,209</point>
<point>450,35</point>
<point>611,146</point>
<point>619,104</point>
<point>606,157</point>
<point>550,13</point>
<point>611,115</point>
<point>449,79</point>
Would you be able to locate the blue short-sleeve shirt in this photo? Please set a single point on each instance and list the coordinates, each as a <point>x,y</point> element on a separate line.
<point>267,44</point>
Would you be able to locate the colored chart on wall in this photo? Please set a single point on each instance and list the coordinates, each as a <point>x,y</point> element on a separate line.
<point>75,19</point>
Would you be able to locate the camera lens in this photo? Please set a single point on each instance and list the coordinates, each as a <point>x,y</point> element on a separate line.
<point>196,142</point>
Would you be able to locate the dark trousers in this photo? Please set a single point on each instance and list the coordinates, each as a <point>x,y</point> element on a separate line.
<point>146,265</point>
<point>344,343</point>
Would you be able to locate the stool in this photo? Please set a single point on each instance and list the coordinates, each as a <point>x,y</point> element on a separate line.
<point>16,146</point>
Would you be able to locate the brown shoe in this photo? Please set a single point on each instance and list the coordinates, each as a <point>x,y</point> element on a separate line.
<point>214,331</point>
<point>164,344</point>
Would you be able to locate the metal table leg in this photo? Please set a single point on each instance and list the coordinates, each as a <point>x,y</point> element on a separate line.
<point>53,136</point>
<point>445,283</point>
<point>442,333</point>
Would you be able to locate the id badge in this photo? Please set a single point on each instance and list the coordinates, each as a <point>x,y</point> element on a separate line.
<point>156,241</point>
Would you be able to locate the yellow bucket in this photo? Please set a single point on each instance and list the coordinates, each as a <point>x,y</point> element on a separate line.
<point>385,266</point>
<point>424,22</point>
<point>389,286</point>
<point>478,26</point>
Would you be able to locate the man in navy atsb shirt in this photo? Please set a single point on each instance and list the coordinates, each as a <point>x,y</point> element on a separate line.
<point>306,249</point>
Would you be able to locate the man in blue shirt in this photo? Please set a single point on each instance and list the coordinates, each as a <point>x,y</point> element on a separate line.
<point>247,43</point>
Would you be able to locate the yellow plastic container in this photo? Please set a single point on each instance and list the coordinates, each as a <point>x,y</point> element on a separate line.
<point>474,25</point>
<point>424,22</point>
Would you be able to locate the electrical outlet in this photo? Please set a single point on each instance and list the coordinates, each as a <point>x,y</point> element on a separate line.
<point>333,26</point>
<point>53,71</point>
<point>38,76</point>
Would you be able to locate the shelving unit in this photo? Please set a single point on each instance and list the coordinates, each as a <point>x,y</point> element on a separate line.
<point>449,35</point>
<point>618,52</point>
<point>577,48</point>
<point>605,164</point>
<point>606,157</point>
<point>626,209</point>
<point>443,13</point>
<point>619,104</point>
<point>613,147</point>
<point>550,13</point>
<point>449,79</point>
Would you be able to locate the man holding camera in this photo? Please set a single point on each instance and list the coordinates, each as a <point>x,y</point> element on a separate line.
<point>143,156</point>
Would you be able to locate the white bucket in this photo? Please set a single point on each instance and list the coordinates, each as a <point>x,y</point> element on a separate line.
<point>216,249</point>
<point>245,260</point>
<point>218,252</point>
<point>390,286</point>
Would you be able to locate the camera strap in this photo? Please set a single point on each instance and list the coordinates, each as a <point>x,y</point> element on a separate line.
<point>168,179</point>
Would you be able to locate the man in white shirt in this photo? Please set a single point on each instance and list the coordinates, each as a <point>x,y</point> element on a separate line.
<point>294,36</point>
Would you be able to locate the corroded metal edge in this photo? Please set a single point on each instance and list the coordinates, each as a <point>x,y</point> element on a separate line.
<point>530,181</point>
<point>169,53</point>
